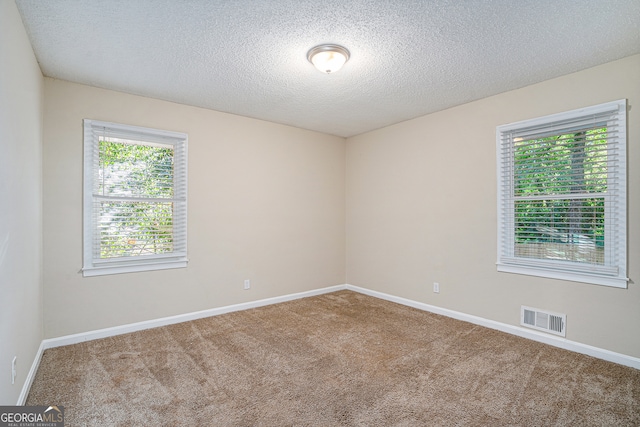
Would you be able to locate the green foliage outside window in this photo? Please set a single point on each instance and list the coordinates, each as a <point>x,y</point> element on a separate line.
<point>560,184</point>
<point>136,212</point>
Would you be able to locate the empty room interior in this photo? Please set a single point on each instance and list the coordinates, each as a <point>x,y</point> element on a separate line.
<point>471,171</point>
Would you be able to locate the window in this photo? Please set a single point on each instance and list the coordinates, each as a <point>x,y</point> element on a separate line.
<point>562,196</point>
<point>135,199</point>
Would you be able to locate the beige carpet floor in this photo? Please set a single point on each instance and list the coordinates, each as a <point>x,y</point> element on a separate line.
<point>339,359</point>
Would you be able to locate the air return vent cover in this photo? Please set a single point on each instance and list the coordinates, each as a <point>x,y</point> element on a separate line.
<point>541,320</point>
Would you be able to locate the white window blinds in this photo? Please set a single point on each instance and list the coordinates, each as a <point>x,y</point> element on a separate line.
<point>562,195</point>
<point>135,199</point>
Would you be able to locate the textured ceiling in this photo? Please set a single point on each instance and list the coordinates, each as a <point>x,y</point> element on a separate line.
<point>248,57</point>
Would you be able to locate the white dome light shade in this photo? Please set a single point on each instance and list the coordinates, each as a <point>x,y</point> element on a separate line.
<point>328,58</point>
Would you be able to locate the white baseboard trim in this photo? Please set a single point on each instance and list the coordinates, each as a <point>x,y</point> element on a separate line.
<point>22,398</point>
<point>553,340</point>
<point>164,321</point>
<point>155,323</point>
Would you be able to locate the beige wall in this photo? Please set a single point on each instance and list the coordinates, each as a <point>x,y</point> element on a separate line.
<point>266,203</point>
<point>20,202</point>
<point>421,208</point>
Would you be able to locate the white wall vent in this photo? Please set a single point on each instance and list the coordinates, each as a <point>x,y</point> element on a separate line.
<point>541,320</point>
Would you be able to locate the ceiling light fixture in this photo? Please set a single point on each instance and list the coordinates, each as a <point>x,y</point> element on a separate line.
<point>328,58</point>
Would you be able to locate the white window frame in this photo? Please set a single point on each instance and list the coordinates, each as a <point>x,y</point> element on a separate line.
<point>93,265</point>
<point>614,271</point>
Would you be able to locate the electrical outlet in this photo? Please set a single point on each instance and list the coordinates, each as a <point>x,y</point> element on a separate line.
<point>436,287</point>
<point>14,372</point>
<point>247,284</point>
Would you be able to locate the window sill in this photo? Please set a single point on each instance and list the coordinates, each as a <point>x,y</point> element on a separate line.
<point>104,270</point>
<point>594,279</point>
